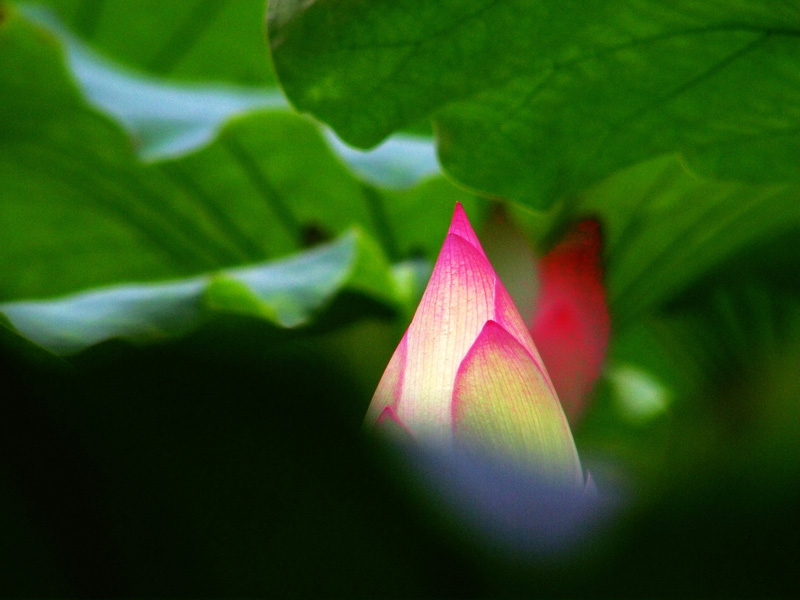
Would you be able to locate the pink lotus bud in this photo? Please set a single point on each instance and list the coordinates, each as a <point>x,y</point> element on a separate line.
<point>467,374</point>
<point>571,323</point>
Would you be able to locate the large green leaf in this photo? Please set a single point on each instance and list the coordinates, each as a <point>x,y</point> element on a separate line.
<point>536,100</point>
<point>167,119</point>
<point>200,40</point>
<point>82,210</point>
<point>79,209</point>
<point>286,293</point>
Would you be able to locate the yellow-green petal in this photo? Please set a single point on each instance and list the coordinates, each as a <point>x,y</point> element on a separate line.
<point>503,404</point>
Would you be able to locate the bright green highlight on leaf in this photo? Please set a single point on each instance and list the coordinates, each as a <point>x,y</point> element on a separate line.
<point>640,398</point>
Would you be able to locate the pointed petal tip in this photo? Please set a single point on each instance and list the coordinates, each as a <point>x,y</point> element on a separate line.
<point>389,424</point>
<point>503,405</point>
<point>494,332</point>
<point>389,414</point>
<point>461,227</point>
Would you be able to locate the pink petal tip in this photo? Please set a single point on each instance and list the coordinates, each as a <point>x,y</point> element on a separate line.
<point>461,227</point>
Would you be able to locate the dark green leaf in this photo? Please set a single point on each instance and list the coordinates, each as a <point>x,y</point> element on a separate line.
<point>536,100</point>
<point>665,229</point>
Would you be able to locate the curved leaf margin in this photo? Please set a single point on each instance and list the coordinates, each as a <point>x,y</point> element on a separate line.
<point>286,293</point>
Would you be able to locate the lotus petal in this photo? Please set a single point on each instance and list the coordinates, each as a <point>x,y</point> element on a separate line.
<point>571,324</point>
<point>504,405</point>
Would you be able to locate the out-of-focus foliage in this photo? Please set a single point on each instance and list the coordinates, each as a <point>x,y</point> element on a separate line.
<point>157,188</point>
<point>195,40</point>
<point>664,229</point>
<point>82,209</point>
<point>284,293</point>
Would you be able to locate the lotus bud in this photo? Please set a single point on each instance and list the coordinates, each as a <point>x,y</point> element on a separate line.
<point>571,323</point>
<point>466,374</point>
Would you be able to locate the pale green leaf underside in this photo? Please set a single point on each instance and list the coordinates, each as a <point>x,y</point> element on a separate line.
<point>286,293</point>
<point>167,119</point>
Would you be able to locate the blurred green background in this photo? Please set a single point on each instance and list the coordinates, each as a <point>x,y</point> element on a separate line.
<point>200,287</point>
